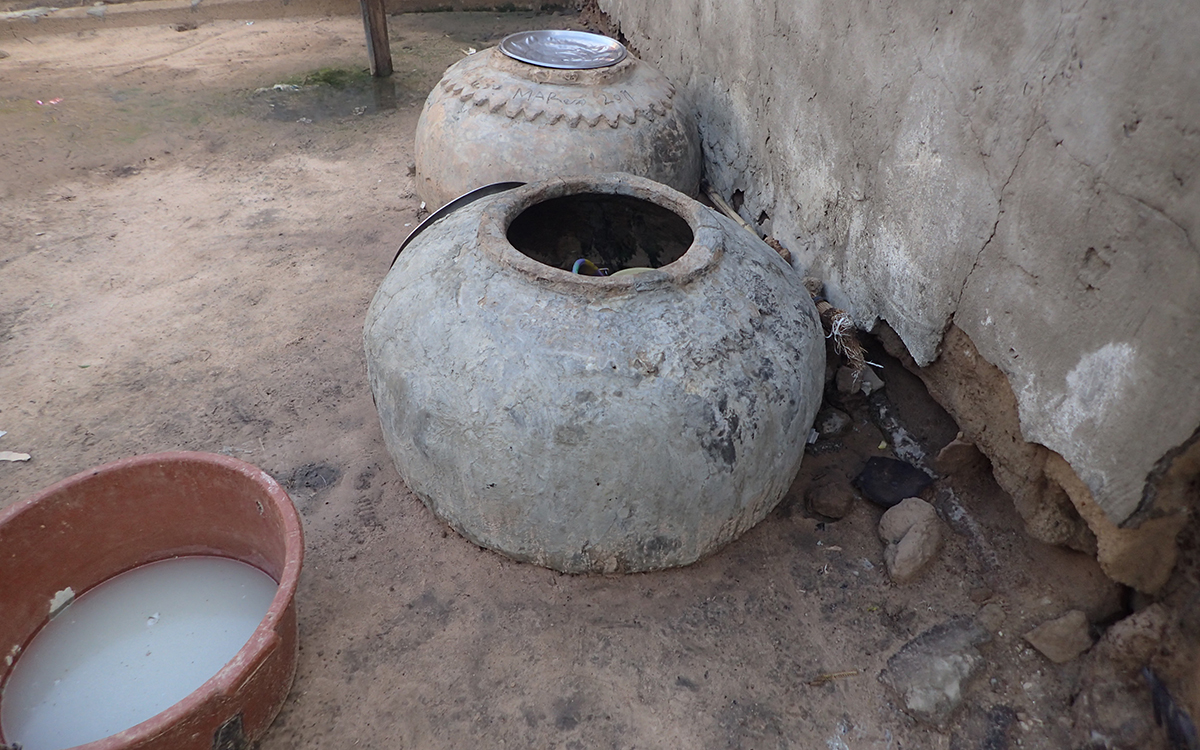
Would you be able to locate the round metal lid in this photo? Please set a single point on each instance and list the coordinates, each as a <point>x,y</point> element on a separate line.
<point>565,50</point>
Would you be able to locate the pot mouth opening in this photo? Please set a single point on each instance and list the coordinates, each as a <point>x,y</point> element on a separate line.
<point>622,219</point>
<point>592,234</point>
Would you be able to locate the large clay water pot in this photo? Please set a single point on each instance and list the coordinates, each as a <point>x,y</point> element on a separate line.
<point>493,118</point>
<point>623,423</point>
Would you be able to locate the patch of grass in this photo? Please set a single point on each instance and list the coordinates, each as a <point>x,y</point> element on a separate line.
<point>337,78</point>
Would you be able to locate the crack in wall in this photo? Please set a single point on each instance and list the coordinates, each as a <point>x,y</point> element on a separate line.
<point>1097,173</point>
<point>985,156</point>
<point>1101,182</point>
<point>995,224</point>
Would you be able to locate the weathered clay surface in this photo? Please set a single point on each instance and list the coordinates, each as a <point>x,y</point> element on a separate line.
<point>959,456</point>
<point>493,119</point>
<point>1024,170</point>
<point>1142,557</point>
<point>587,423</point>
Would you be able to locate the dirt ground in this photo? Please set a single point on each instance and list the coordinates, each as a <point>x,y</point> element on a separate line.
<point>185,263</point>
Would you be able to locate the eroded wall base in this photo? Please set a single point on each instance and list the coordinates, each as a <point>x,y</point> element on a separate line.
<point>1058,508</point>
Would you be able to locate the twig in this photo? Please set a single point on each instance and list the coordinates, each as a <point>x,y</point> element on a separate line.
<point>828,677</point>
<point>727,209</point>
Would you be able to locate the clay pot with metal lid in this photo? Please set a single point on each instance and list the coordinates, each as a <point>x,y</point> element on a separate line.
<point>86,529</point>
<point>493,118</point>
<point>628,422</point>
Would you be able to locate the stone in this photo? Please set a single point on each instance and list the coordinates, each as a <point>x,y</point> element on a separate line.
<point>847,381</point>
<point>1117,681</point>
<point>632,423</point>
<point>913,533</point>
<point>870,382</point>
<point>930,672</point>
<point>980,594</point>
<point>902,517</point>
<point>1062,639</point>
<point>850,381</point>
<point>1113,713</point>
<point>1170,714</point>
<point>830,498</point>
<point>992,616</point>
<point>832,422</point>
<point>1111,709</point>
<point>886,481</point>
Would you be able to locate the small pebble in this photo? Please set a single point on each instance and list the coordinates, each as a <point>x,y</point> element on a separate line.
<point>1062,639</point>
<point>833,422</point>
<point>830,498</point>
<point>991,616</point>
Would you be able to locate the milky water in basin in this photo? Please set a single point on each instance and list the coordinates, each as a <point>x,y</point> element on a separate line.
<point>130,648</point>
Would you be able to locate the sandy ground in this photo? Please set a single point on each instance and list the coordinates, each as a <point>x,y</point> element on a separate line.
<point>185,264</point>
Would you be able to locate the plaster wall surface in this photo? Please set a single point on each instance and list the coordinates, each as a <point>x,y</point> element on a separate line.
<point>1026,171</point>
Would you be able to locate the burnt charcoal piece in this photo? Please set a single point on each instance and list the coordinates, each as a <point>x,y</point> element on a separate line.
<point>887,481</point>
<point>1170,715</point>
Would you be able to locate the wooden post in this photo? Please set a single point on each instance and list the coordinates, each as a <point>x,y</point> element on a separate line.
<point>378,49</point>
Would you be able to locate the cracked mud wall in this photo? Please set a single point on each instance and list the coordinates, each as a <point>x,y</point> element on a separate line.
<point>1024,171</point>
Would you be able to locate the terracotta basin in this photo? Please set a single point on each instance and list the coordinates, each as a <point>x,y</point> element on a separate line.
<point>86,529</point>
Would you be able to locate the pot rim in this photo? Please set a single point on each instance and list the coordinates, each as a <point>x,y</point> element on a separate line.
<point>241,668</point>
<point>494,60</point>
<point>701,256</point>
